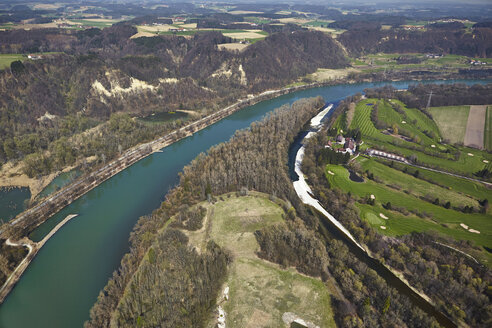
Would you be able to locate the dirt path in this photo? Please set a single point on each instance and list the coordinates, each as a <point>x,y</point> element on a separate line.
<point>475,127</point>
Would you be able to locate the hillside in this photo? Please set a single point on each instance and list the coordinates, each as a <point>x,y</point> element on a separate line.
<point>260,292</point>
<point>64,108</point>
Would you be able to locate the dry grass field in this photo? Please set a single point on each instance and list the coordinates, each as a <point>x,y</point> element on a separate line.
<point>249,34</point>
<point>245,12</point>
<point>232,46</point>
<point>488,129</point>
<point>260,291</point>
<point>475,127</point>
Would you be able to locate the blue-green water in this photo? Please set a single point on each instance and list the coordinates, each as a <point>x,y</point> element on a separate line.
<point>59,182</point>
<point>13,201</point>
<point>63,281</point>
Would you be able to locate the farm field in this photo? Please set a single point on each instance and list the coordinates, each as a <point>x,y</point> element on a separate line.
<point>487,136</point>
<point>475,126</point>
<point>390,61</point>
<point>427,151</point>
<point>451,121</point>
<point>260,291</point>
<point>407,194</point>
<point>232,46</point>
<point>7,59</point>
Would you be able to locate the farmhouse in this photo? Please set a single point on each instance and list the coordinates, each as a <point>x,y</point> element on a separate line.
<point>349,144</point>
<point>34,57</point>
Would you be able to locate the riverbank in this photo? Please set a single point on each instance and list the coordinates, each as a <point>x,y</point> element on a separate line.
<point>33,250</point>
<point>35,216</point>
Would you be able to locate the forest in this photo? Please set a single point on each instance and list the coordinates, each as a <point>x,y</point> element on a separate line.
<point>45,104</point>
<point>255,159</point>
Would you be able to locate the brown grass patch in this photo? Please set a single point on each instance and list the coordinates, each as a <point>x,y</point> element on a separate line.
<point>232,46</point>
<point>475,127</point>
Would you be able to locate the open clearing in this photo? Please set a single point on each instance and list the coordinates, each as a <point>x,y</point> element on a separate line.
<point>250,34</point>
<point>475,127</point>
<point>142,34</point>
<point>7,59</point>
<point>232,46</point>
<point>260,291</point>
<point>244,12</point>
<point>325,74</point>
<point>452,121</point>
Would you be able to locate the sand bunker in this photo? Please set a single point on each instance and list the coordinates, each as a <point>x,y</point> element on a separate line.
<point>464,226</point>
<point>470,154</point>
<point>383,216</point>
<point>433,146</point>
<point>329,172</point>
<point>485,161</point>
<point>373,197</point>
<point>383,227</point>
<point>404,122</point>
<point>474,231</point>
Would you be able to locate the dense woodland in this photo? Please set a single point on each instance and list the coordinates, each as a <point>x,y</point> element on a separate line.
<point>103,72</point>
<point>369,38</point>
<point>255,159</point>
<point>458,285</point>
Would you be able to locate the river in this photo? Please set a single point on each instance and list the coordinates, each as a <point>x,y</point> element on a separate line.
<point>63,281</point>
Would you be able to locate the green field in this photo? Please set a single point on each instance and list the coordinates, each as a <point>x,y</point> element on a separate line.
<point>319,23</point>
<point>382,61</point>
<point>406,192</point>
<point>428,151</point>
<point>260,291</point>
<point>7,59</point>
<point>451,121</point>
<point>98,24</point>
<point>487,134</point>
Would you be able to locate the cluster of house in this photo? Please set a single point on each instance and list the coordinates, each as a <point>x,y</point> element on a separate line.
<point>349,144</point>
<point>477,62</point>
